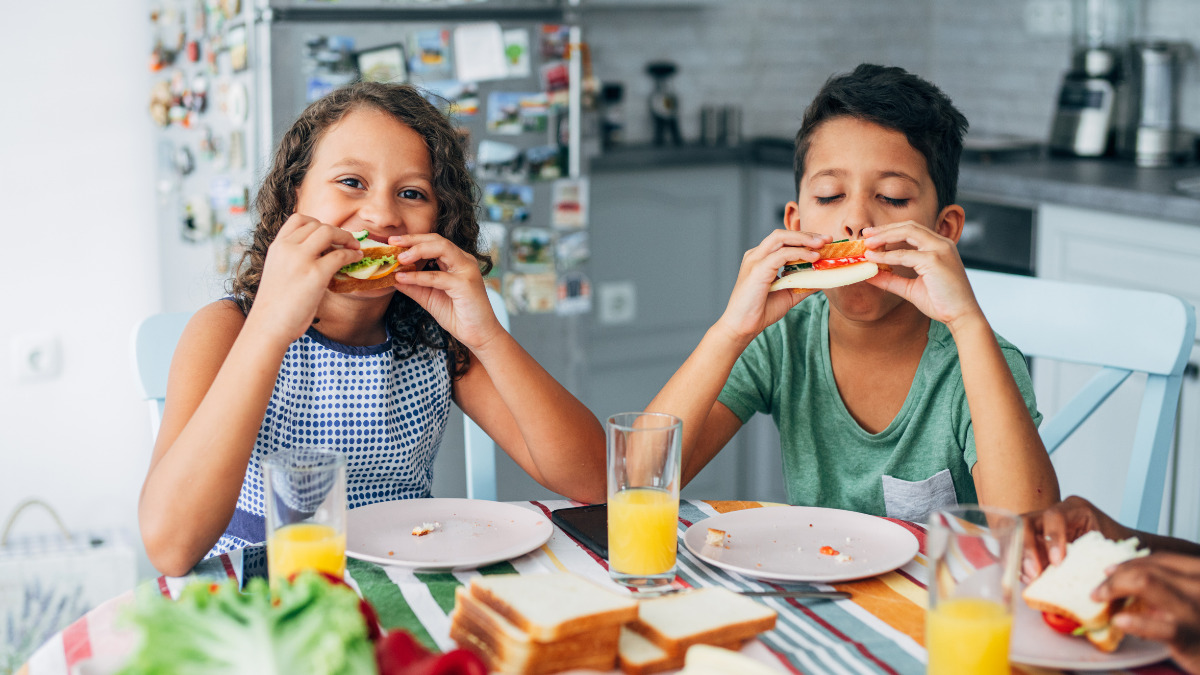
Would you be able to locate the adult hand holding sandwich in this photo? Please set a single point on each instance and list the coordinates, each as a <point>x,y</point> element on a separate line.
<point>1164,587</point>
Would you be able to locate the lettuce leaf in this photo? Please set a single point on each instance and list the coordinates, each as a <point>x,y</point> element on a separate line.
<point>312,627</point>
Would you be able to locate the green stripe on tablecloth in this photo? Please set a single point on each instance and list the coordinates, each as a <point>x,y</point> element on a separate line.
<point>442,584</point>
<point>389,603</point>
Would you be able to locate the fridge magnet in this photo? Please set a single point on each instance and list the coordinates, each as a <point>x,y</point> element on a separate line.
<point>491,242</point>
<point>329,60</point>
<point>570,203</point>
<point>430,55</point>
<point>574,295</point>
<point>556,82</point>
<point>453,97</point>
<point>543,162</point>
<point>571,249</point>
<point>530,293</point>
<point>555,38</point>
<point>507,202</point>
<point>237,150</point>
<point>197,221</point>
<point>531,249</point>
<point>236,103</point>
<point>479,52</point>
<point>382,64</point>
<point>235,41</point>
<point>511,113</point>
<point>160,103</point>
<point>516,52</point>
<point>496,160</point>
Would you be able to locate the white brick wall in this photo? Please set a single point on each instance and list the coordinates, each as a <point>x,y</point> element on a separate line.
<point>771,56</point>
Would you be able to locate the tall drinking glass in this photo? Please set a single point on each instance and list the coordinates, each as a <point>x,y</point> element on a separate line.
<point>974,555</point>
<point>643,497</point>
<point>305,490</point>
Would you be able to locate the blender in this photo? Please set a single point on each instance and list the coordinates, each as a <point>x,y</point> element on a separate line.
<point>1087,100</point>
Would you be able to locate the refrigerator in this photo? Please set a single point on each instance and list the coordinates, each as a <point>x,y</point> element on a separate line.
<point>231,75</point>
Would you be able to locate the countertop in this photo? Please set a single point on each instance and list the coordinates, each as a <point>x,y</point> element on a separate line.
<point>1111,185</point>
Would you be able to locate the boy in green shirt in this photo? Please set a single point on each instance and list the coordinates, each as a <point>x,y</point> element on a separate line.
<point>893,396</point>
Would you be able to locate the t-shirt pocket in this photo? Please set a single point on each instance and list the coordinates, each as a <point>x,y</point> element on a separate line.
<point>911,500</point>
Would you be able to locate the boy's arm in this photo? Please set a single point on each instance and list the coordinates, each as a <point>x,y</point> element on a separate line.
<point>1012,469</point>
<point>691,393</point>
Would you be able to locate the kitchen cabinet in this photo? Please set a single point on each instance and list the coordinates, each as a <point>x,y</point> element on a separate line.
<point>1087,246</point>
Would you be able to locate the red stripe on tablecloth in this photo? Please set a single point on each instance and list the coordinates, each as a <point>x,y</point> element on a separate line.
<point>76,646</point>
<point>917,530</point>
<point>228,565</point>
<point>913,579</point>
<point>783,661</point>
<point>603,563</point>
<point>163,588</point>
<point>841,636</point>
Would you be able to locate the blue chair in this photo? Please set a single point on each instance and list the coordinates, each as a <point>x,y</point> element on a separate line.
<point>1120,330</point>
<point>154,341</point>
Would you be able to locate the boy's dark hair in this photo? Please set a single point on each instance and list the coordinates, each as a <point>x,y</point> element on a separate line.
<point>457,199</point>
<point>894,99</point>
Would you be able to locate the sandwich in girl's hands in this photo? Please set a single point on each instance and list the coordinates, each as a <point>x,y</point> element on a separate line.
<point>1063,592</point>
<point>377,269</point>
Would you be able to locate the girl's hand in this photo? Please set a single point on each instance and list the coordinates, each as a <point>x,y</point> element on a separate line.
<point>752,305</point>
<point>1048,532</point>
<point>300,263</point>
<point>940,288</point>
<point>1165,592</point>
<point>453,294</point>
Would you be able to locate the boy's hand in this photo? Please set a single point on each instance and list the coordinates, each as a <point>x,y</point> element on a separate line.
<point>752,305</point>
<point>940,288</point>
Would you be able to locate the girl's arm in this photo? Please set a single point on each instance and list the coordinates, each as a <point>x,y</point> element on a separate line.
<point>220,382</point>
<point>1012,469</point>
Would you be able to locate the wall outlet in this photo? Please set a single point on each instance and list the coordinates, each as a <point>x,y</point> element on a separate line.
<point>1048,17</point>
<point>35,357</point>
<point>618,302</point>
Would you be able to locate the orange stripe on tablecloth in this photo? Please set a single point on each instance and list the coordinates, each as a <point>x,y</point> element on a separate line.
<point>76,646</point>
<point>893,608</point>
<point>728,506</point>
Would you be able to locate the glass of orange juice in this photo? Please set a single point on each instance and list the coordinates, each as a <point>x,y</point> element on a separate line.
<point>643,498</point>
<point>305,491</point>
<point>974,556</point>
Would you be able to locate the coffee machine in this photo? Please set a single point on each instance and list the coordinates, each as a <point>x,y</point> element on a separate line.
<point>1087,100</point>
<point>1148,127</point>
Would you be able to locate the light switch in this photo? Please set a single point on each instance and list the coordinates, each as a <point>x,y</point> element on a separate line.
<point>618,302</point>
<point>35,357</point>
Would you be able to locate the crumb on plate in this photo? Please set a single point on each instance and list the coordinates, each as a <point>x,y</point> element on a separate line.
<point>425,528</point>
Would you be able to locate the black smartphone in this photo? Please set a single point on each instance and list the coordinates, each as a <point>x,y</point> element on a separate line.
<point>586,524</point>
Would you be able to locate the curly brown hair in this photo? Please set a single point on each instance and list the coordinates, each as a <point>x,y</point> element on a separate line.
<point>457,198</point>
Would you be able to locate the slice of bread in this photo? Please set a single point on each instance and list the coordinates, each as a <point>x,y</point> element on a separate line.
<point>639,656</point>
<point>711,615</point>
<point>549,607</point>
<point>1066,588</point>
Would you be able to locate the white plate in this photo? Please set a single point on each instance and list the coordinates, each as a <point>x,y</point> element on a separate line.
<point>1036,644</point>
<point>783,543</point>
<point>473,533</point>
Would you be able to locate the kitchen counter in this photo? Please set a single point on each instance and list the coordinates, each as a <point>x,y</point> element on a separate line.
<point>1102,184</point>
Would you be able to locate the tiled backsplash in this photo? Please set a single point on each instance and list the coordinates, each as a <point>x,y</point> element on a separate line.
<point>771,56</point>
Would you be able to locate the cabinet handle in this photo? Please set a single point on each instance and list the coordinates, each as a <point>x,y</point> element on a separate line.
<point>1191,371</point>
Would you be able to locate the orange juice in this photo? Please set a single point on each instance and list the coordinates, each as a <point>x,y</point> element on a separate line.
<point>305,546</point>
<point>968,635</point>
<point>642,526</point>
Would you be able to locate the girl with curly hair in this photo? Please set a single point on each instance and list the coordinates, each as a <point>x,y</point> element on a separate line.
<point>285,362</point>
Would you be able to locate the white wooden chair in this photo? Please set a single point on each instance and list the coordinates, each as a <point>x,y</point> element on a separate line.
<point>1120,330</point>
<point>154,341</point>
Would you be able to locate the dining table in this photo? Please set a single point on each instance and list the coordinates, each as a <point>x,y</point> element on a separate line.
<point>878,629</point>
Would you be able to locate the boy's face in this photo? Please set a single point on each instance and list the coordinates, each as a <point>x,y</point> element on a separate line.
<point>856,175</point>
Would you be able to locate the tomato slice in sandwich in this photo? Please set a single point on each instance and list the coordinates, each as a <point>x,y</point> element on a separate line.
<point>1059,623</point>
<point>831,263</point>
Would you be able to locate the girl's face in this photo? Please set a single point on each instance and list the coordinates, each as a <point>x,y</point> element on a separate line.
<point>858,174</point>
<point>370,172</point>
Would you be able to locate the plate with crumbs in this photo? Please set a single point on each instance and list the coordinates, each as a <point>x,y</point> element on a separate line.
<point>444,534</point>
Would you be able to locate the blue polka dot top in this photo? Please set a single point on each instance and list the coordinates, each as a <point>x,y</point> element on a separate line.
<point>387,416</point>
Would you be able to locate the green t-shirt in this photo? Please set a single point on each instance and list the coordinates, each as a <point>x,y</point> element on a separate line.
<point>921,461</point>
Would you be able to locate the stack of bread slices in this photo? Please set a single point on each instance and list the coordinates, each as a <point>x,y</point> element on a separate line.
<point>547,623</point>
<point>541,623</point>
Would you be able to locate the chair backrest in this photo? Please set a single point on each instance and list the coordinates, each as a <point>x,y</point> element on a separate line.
<point>479,447</point>
<point>1120,330</point>
<point>154,341</point>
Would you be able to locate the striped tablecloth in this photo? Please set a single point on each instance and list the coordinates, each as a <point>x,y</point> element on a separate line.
<point>878,630</point>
